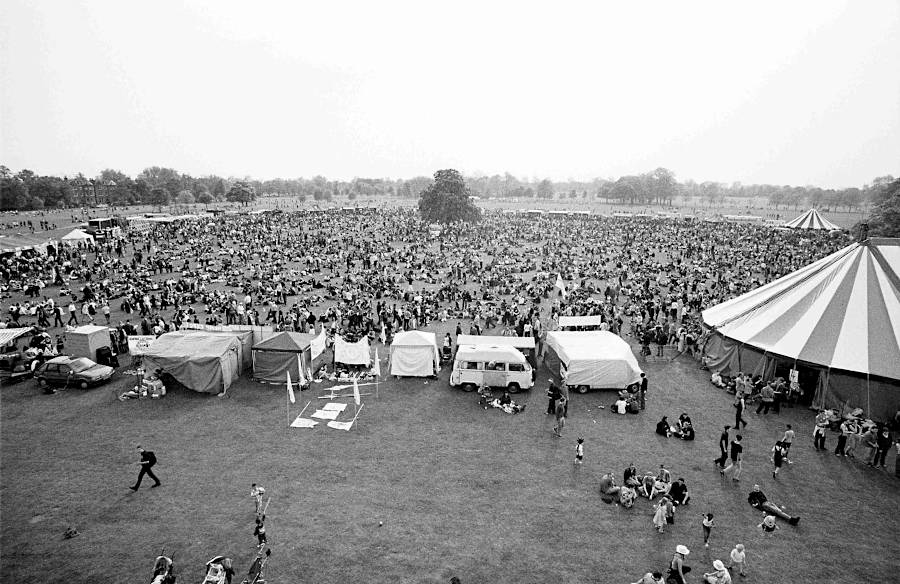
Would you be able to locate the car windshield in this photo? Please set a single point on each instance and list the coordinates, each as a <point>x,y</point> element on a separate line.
<point>79,365</point>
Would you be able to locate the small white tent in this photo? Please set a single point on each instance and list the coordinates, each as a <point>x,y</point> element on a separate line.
<point>598,359</point>
<point>414,354</point>
<point>77,236</point>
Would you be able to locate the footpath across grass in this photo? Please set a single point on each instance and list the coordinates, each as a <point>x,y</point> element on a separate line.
<point>458,490</point>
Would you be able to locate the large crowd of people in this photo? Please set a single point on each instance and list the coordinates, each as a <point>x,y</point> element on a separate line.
<point>377,272</point>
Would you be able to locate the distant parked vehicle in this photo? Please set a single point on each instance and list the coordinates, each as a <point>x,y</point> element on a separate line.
<point>80,372</point>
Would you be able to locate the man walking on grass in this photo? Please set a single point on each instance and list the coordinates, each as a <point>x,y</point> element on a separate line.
<point>148,460</point>
<point>736,459</point>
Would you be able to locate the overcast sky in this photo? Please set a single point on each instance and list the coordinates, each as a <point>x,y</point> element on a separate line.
<point>783,92</point>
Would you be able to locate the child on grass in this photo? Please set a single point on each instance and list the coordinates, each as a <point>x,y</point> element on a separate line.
<point>738,559</point>
<point>579,451</point>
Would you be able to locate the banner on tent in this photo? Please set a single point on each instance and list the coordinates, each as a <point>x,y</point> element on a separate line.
<point>140,344</point>
<point>351,353</point>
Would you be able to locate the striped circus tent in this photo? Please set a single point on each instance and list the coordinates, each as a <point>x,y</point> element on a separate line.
<point>839,315</point>
<point>811,220</point>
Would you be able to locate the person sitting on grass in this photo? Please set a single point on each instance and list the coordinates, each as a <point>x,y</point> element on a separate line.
<point>651,578</point>
<point>630,477</point>
<point>627,495</point>
<point>684,427</point>
<point>609,492</point>
<point>662,427</point>
<point>758,500</point>
<point>719,575</point>
<point>679,492</point>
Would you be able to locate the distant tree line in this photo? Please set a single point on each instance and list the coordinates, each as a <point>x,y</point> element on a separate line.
<point>160,186</point>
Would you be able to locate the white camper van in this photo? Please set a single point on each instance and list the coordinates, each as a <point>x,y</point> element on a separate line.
<point>494,366</point>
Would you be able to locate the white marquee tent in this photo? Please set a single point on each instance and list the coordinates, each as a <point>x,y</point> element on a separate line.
<point>840,314</point>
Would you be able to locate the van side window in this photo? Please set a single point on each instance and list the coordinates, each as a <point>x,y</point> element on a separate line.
<point>500,367</point>
<point>517,367</point>
<point>470,365</point>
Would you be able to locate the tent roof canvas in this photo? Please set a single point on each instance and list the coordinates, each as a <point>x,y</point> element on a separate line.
<point>77,235</point>
<point>414,339</point>
<point>287,342</point>
<point>811,220</point>
<point>596,358</point>
<point>842,311</point>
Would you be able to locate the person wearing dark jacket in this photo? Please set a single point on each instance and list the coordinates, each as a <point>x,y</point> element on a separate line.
<point>758,499</point>
<point>148,460</point>
<point>553,394</point>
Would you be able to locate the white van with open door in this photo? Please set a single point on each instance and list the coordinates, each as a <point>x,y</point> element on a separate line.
<point>477,365</point>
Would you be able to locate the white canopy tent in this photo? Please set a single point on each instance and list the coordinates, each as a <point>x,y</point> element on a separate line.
<point>414,354</point>
<point>77,236</point>
<point>594,359</point>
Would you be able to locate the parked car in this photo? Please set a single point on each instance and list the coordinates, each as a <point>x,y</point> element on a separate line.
<point>80,372</point>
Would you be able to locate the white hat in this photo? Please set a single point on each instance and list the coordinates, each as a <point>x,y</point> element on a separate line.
<point>718,565</point>
<point>682,550</point>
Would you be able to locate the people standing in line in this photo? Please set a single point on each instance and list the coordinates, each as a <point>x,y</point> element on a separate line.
<point>643,390</point>
<point>148,461</point>
<point>884,443</point>
<point>853,438</point>
<point>840,449</point>
<point>737,451</point>
<point>724,439</point>
<point>767,399</point>
<point>819,430</point>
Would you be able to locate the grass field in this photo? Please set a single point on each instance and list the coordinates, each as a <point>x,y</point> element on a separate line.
<point>462,491</point>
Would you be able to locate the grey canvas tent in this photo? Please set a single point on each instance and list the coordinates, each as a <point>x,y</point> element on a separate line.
<point>201,362</point>
<point>274,357</point>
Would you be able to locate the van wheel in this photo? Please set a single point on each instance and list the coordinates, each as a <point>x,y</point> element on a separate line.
<point>513,388</point>
<point>582,389</point>
<point>469,387</point>
<point>83,384</point>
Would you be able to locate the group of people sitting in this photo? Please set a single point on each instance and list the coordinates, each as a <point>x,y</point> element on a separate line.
<point>505,402</point>
<point>683,427</point>
<point>648,485</point>
<point>626,403</point>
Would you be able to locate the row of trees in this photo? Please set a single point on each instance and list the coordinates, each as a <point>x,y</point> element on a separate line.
<point>161,186</point>
<point>158,186</point>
